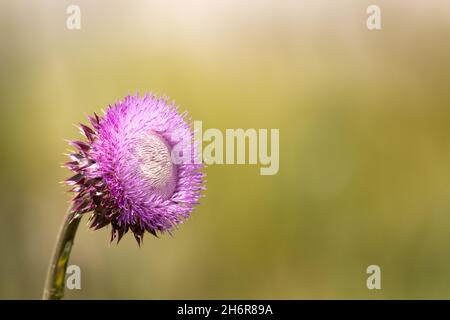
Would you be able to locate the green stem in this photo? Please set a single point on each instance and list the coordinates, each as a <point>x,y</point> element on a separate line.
<point>55,282</point>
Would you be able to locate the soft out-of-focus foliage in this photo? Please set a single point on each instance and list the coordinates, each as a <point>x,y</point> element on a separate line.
<point>364,119</point>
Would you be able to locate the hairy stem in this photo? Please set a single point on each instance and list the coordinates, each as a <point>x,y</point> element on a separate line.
<point>55,282</point>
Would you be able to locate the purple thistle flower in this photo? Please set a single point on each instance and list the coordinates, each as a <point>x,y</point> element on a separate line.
<point>125,174</point>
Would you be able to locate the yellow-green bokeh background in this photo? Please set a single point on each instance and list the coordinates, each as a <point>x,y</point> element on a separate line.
<point>364,119</point>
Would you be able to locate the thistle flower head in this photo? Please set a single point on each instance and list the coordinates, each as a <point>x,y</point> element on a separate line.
<point>124,171</point>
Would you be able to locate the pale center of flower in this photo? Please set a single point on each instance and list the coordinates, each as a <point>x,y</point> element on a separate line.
<point>156,165</point>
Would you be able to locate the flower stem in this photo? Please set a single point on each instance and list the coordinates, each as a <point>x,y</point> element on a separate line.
<point>55,282</point>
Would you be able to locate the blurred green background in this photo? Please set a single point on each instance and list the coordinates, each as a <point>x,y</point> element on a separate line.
<point>364,119</point>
